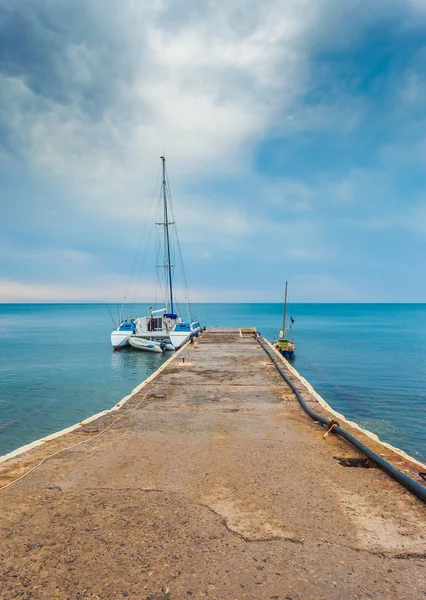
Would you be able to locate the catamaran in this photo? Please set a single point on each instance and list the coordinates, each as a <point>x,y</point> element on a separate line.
<point>163,329</point>
<point>285,347</point>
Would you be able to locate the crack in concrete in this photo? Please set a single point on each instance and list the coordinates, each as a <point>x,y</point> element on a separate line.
<point>381,553</point>
<point>410,556</point>
<point>245,538</point>
<point>125,489</point>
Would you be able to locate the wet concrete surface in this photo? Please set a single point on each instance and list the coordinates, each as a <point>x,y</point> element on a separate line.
<point>212,483</point>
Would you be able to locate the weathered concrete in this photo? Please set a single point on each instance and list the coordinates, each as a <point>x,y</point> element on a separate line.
<point>213,484</point>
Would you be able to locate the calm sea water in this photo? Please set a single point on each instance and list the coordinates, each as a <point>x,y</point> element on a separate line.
<point>367,360</point>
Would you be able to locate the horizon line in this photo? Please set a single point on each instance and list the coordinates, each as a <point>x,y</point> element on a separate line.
<point>102,302</point>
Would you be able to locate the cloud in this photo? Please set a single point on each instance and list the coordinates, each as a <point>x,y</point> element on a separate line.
<point>289,127</point>
<point>90,91</point>
<point>15,291</point>
<point>412,221</point>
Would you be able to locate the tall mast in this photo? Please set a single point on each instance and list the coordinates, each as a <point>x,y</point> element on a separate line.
<point>285,310</point>
<point>167,260</point>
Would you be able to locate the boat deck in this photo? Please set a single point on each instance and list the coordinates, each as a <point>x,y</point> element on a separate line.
<point>210,482</point>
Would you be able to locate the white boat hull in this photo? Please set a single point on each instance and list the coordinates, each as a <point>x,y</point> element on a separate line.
<point>146,345</point>
<point>179,338</point>
<point>182,332</point>
<point>120,339</point>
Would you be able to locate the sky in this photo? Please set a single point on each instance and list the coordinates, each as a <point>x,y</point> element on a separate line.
<point>294,131</point>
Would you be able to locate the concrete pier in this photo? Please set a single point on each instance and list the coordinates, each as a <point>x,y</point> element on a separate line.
<point>210,482</point>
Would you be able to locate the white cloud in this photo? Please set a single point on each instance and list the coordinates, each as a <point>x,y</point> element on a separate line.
<point>411,220</point>
<point>15,291</point>
<point>102,289</point>
<point>110,83</point>
<point>204,89</point>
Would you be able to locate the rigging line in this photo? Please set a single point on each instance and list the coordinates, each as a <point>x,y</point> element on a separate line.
<point>140,241</point>
<point>290,327</point>
<point>160,290</point>
<point>153,228</point>
<point>142,265</point>
<point>176,290</point>
<point>177,242</point>
<point>158,285</point>
<point>157,288</point>
<point>188,302</point>
<point>183,271</point>
<point>110,314</point>
<point>277,326</point>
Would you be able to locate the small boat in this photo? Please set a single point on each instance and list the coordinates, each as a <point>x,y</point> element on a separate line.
<point>149,345</point>
<point>143,344</point>
<point>159,325</point>
<point>285,347</point>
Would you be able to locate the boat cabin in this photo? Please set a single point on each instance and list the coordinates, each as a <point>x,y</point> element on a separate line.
<point>156,324</point>
<point>183,327</point>
<point>127,325</point>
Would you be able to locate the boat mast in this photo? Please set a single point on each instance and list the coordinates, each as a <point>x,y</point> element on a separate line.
<point>167,260</point>
<point>285,310</point>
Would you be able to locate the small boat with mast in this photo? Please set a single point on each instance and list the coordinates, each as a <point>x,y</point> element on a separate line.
<point>284,346</point>
<point>162,329</point>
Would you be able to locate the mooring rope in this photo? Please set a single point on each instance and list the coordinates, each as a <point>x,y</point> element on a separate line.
<point>73,446</point>
<point>93,436</point>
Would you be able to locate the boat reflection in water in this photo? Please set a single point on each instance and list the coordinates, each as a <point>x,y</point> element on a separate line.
<point>136,364</point>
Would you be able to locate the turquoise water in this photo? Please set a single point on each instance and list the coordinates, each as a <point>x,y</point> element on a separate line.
<point>367,360</point>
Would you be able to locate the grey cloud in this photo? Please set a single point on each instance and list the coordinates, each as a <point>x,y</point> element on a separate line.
<point>87,83</point>
<point>92,88</point>
<point>70,53</point>
<point>240,19</point>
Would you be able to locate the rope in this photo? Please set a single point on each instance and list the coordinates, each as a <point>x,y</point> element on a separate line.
<point>331,427</point>
<point>93,437</point>
<point>73,446</point>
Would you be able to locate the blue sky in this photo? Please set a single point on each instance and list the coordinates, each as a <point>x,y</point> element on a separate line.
<point>295,134</point>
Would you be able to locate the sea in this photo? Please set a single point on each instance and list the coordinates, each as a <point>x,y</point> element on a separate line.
<point>368,361</point>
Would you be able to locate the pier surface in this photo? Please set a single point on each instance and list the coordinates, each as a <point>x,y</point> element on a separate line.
<point>211,482</point>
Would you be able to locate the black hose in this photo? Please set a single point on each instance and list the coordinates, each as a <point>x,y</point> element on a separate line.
<point>414,487</point>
